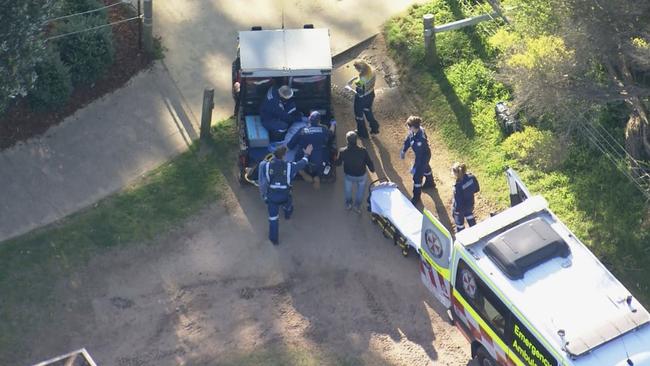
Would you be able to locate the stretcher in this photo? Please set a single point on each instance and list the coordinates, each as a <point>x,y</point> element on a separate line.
<point>399,220</point>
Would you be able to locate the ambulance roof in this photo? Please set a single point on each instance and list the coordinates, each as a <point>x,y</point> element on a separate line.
<point>575,293</point>
<point>285,52</point>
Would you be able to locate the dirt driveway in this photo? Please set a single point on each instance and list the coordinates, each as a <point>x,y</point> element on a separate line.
<point>216,292</point>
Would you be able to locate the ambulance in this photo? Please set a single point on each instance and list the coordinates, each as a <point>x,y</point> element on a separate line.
<point>520,286</point>
<point>525,291</point>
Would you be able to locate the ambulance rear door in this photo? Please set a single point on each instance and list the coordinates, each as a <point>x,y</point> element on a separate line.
<point>518,191</point>
<point>435,258</point>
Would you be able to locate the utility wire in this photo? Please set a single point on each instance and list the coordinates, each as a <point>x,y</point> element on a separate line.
<point>619,157</point>
<point>91,29</point>
<point>82,13</point>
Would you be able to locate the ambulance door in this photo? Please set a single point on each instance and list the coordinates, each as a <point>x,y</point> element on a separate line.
<point>518,191</point>
<point>435,258</point>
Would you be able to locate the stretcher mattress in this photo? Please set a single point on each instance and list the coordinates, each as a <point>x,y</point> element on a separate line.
<point>388,201</point>
<point>293,129</point>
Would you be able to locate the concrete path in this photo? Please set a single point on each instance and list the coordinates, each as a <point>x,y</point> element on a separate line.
<point>94,153</point>
<point>201,35</point>
<point>110,143</point>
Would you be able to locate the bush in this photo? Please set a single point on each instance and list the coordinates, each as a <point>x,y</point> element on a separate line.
<point>473,81</point>
<point>88,54</point>
<point>534,147</point>
<point>53,85</point>
<point>68,7</point>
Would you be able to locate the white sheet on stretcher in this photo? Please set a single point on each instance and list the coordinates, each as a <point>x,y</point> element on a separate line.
<point>293,129</point>
<point>388,201</point>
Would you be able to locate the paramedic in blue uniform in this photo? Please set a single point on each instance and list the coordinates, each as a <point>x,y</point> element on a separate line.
<point>463,203</point>
<point>417,140</point>
<point>364,95</point>
<point>278,111</point>
<point>275,177</point>
<point>318,136</point>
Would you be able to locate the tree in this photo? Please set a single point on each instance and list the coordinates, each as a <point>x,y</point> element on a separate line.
<point>21,45</point>
<point>581,55</point>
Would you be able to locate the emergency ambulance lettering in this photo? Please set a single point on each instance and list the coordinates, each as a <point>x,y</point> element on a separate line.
<point>535,353</point>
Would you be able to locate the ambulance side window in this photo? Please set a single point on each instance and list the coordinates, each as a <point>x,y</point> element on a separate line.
<point>483,300</point>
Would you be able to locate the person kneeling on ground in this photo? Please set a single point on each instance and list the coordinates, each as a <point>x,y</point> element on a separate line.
<point>355,160</point>
<point>275,177</point>
<point>318,136</point>
<point>417,140</point>
<point>278,111</point>
<point>465,187</point>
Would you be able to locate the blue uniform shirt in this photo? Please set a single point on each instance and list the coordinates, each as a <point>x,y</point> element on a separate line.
<point>420,145</point>
<point>464,191</point>
<point>275,109</point>
<point>315,135</point>
<point>264,179</point>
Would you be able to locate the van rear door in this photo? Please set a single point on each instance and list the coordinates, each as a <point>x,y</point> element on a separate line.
<point>435,257</point>
<point>518,191</point>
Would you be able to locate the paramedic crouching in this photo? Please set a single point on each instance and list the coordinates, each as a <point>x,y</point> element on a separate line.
<point>318,136</point>
<point>278,111</point>
<point>275,177</point>
<point>463,202</point>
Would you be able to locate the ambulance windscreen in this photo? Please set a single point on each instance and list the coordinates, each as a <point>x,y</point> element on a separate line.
<point>525,247</point>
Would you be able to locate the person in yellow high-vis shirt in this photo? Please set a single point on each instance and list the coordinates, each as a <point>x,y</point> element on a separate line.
<point>364,88</point>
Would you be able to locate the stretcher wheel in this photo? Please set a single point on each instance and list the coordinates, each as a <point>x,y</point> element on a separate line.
<point>373,218</point>
<point>386,232</point>
<point>405,252</point>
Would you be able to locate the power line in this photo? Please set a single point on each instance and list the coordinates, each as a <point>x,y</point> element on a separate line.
<point>92,29</point>
<point>82,13</point>
<point>619,157</point>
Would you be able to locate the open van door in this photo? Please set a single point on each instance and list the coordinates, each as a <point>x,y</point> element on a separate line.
<point>435,257</point>
<point>518,191</point>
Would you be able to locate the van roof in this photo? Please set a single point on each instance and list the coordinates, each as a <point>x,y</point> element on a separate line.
<point>285,52</point>
<point>575,293</point>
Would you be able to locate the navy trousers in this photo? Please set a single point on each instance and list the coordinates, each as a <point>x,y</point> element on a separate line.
<point>461,216</point>
<point>274,216</point>
<point>425,173</point>
<point>363,111</point>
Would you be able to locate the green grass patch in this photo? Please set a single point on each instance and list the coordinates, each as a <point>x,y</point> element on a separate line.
<point>30,265</point>
<point>458,97</point>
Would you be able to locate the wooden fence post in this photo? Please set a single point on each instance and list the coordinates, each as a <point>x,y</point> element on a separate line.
<point>147,23</point>
<point>206,113</point>
<point>429,39</point>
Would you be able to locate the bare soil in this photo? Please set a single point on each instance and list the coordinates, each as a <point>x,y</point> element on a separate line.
<point>215,292</point>
<point>20,122</point>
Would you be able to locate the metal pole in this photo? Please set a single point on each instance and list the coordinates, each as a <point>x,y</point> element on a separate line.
<point>147,23</point>
<point>429,39</point>
<point>206,113</point>
<point>139,27</point>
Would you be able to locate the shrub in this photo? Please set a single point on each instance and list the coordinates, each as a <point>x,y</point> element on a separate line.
<point>88,54</point>
<point>473,81</point>
<point>537,148</point>
<point>53,85</point>
<point>68,7</point>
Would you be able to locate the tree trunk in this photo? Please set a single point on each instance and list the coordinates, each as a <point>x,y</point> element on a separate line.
<point>637,129</point>
<point>634,137</point>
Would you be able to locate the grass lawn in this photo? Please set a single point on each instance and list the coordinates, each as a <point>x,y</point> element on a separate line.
<point>30,264</point>
<point>458,96</point>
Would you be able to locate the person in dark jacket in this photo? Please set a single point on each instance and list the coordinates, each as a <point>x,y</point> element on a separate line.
<point>465,187</point>
<point>318,136</point>
<point>278,111</point>
<point>355,161</point>
<point>417,140</point>
<point>275,177</point>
